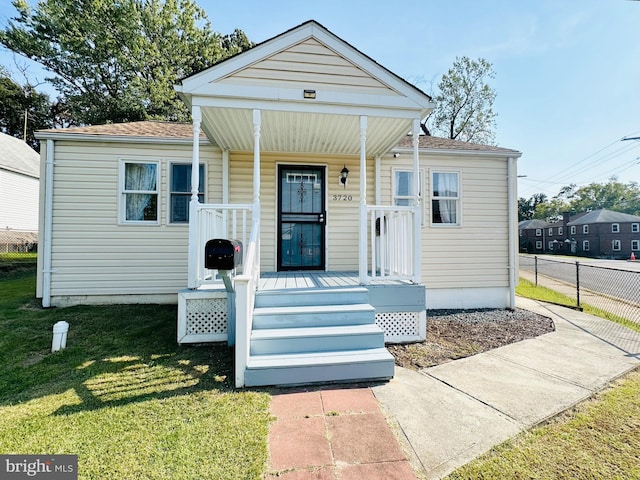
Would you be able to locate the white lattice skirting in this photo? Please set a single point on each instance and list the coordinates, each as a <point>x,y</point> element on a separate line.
<point>402,327</point>
<point>202,316</point>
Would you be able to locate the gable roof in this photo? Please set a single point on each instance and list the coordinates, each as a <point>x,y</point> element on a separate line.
<point>311,88</point>
<point>603,216</point>
<point>18,157</point>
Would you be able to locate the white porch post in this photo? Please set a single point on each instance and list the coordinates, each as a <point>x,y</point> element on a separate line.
<point>192,281</point>
<point>417,216</point>
<point>364,276</point>
<point>513,227</point>
<point>257,122</point>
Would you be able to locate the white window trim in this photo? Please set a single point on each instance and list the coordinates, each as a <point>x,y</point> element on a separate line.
<point>538,244</point>
<point>121,193</point>
<point>421,192</point>
<point>550,246</point>
<point>169,192</point>
<point>615,228</point>
<point>635,228</point>
<point>458,224</point>
<point>635,244</point>
<point>573,230</point>
<point>616,245</point>
<point>585,245</point>
<point>550,232</point>
<point>585,229</point>
<point>560,230</point>
<point>538,232</point>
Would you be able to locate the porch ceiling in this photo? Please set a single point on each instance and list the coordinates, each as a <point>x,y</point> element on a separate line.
<point>302,132</point>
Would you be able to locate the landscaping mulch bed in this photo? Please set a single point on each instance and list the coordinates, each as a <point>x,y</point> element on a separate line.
<point>454,334</point>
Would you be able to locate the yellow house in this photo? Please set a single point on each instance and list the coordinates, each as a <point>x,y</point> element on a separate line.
<point>310,154</point>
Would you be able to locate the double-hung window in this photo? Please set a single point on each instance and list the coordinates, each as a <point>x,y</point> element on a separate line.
<point>445,198</point>
<point>139,184</point>
<point>403,188</point>
<point>616,245</point>
<point>180,191</point>
<point>635,245</point>
<point>615,228</point>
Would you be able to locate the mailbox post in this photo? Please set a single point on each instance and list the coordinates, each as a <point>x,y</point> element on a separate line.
<point>225,256</point>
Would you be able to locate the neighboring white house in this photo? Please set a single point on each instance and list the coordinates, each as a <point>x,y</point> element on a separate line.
<point>19,185</point>
<point>310,153</point>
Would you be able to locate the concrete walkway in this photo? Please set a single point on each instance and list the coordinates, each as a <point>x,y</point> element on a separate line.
<point>447,415</point>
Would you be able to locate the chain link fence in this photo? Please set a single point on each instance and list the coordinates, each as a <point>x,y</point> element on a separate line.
<point>614,290</point>
<point>18,241</point>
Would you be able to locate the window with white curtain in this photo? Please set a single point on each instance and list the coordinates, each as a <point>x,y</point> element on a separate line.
<point>139,186</point>
<point>403,189</point>
<point>445,198</point>
<point>180,191</point>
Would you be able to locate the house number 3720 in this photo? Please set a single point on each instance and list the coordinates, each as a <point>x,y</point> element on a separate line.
<point>342,198</point>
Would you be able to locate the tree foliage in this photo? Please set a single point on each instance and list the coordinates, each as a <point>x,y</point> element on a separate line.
<point>612,195</point>
<point>118,61</point>
<point>16,102</point>
<point>464,103</point>
<point>527,207</point>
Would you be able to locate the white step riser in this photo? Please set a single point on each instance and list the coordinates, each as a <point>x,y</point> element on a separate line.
<point>317,343</point>
<point>347,296</point>
<point>294,319</point>
<point>379,370</point>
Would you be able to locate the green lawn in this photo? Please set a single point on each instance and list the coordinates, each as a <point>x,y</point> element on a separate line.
<point>529,290</point>
<point>597,440</point>
<point>123,395</point>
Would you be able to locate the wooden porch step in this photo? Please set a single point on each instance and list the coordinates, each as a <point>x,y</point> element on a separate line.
<point>306,297</point>
<point>316,339</point>
<point>305,368</point>
<point>313,316</point>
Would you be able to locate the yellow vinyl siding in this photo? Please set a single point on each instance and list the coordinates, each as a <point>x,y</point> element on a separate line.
<point>342,215</point>
<point>474,254</point>
<point>95,254</point>
<point>309,64</point>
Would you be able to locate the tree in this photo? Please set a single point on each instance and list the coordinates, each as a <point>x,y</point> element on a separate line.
<point>118,61</point>
<point>612,195</point>
<point>18,101</point>
<point>464,103</point>
<point>527,208</point>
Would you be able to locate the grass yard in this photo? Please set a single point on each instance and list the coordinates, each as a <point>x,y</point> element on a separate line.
<point>530,290</point>
<point>597,440</point>
<point>123,395</point>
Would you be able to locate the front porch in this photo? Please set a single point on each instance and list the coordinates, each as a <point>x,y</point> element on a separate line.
<point>309,326</point>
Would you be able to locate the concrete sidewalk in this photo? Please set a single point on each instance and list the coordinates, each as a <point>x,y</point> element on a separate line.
<point>449,414</point>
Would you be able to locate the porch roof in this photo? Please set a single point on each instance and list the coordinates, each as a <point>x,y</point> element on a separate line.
<point>311,87</point>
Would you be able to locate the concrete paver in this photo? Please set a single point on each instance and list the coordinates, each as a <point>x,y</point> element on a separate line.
<point>450,414</point>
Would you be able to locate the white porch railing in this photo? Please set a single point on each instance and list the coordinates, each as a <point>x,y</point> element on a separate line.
<point>246,286</point>
<point>218,221</point>
<point>391,243</point>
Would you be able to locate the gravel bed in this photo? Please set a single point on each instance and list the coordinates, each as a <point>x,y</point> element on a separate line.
<point>454,334</point>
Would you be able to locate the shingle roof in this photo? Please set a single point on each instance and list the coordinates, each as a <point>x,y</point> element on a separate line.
<point>175,130</point>
<point>604,216</point>
<point>148,128</point>
<point>427,142</point>
<point>535,223</point>
<point>17,156</point>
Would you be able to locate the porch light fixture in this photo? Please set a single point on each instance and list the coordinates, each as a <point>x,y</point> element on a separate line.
<point>309,94</point>
<point>344,174</point>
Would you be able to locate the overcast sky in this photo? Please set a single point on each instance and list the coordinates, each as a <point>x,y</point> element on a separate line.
<point>567,72</point>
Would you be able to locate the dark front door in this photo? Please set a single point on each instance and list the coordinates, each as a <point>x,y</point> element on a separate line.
<point>301,218</point>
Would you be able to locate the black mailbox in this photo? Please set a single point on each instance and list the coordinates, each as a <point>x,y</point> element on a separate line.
<point>222,254</point>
